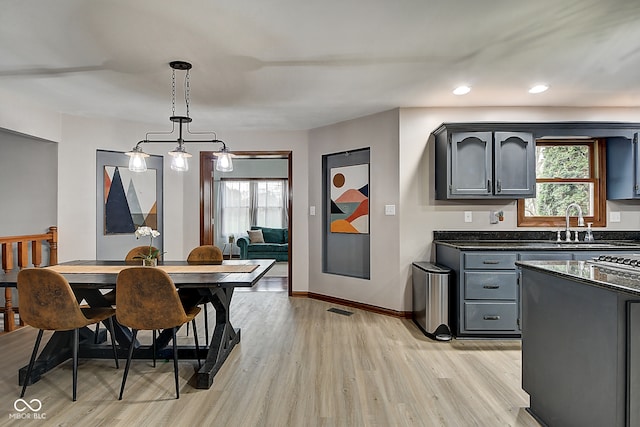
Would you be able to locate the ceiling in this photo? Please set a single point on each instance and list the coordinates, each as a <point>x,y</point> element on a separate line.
<point>296,64</point>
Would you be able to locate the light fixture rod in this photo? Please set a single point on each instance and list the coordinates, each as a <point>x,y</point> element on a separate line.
<point>179,154</point>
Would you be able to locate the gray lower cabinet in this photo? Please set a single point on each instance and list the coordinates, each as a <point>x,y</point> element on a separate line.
<point>485,288</point>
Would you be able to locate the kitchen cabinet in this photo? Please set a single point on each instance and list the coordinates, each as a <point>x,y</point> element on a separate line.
<point>485,288</point>
<point>623,168</point>
<point>488,164</point>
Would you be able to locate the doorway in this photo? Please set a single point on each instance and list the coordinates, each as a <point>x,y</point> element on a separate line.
<point>208,197</point>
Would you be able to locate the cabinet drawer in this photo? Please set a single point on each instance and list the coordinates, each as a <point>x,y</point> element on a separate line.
<point>494,316</point>
<point>490,261</point>
<point>490,285</point>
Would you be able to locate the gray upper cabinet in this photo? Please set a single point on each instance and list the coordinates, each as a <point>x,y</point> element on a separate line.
<point>478,165</point>
<point>623,168</point>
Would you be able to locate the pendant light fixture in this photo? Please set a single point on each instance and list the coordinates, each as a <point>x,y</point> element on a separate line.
<point>179,155</point>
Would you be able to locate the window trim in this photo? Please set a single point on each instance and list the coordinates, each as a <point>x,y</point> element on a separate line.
<point>597,165</point>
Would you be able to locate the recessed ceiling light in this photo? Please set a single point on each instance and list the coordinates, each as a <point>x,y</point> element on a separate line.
<point>538,88</point>
<point>461,90</point>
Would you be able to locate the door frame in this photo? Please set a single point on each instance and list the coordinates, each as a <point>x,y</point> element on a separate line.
<point>207,162</point>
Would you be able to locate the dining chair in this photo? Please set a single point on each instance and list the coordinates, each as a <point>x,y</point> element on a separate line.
<point>129,258</point>
<point>205,254</point>
<point>47,303</point>
<point>147,299</point>
<point>139,251</point>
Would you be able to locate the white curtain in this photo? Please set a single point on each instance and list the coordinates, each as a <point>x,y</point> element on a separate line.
<point>244,203</point>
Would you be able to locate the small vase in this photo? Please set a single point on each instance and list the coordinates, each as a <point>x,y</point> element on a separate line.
<point>153,262</point>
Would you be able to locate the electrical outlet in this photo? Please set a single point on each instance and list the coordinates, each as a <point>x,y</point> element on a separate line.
<point>493,217</point>
<point>468,216</point>
<point>312,210</point>
<point>614,216</point>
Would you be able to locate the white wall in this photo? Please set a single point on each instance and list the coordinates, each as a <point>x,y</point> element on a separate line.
<point>379,132</point>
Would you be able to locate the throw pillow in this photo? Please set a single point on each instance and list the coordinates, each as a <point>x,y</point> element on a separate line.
<point>255,236</point>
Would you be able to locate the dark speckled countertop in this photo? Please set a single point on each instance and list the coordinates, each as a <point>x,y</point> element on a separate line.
<point>626,281</point>
<point>539,245</point>
<point>535,241</point>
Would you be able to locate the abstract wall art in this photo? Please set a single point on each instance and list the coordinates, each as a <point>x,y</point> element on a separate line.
<point>129,200</point>
<point>126,200</point>
<point>350,199</point>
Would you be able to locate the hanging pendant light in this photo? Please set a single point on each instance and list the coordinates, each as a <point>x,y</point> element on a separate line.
<point>179,155</point>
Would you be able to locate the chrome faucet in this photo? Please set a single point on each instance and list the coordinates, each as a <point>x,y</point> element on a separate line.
<point>580,221</point>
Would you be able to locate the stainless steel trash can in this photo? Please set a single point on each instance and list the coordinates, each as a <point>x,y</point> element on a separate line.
<point>431,299</point>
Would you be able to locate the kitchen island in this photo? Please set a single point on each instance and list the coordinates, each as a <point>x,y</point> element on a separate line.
<point>581,342</point>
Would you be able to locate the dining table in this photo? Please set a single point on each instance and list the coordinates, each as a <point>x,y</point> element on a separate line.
<point>91,281</point>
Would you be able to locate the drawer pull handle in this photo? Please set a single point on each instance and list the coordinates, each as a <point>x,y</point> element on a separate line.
<point>491,317</point>
<point>489,261</point>
<point>491,286</point>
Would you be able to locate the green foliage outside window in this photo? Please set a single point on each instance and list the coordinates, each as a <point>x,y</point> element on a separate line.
<point>561,162</point>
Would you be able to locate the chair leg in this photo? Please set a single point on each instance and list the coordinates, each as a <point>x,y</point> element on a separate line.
<point>113,341</point>
<point>96,334</point>
<point>32,361</point>
<point>130,355</point>
<point>153,347</point>
<point>175,363</point>
<point>76,341</point>
<point>206,325</point>
<point>195,337</point>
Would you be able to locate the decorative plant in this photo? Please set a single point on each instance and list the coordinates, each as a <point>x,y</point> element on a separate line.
<point>153,253</point>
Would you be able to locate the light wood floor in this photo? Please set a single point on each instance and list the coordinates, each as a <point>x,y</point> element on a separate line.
<point>297,365</point>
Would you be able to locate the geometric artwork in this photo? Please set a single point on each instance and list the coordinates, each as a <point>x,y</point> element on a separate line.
<point>129,200</point>
<point>350,199</point>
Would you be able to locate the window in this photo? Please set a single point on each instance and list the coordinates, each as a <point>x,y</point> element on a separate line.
<point>247,202</point>
<point>567,171</point>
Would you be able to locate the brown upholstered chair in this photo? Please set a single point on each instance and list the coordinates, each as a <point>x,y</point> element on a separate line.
<point>48,303</point>
<point>139,251</point>
<point>205,254</point>
<point>147,299</point>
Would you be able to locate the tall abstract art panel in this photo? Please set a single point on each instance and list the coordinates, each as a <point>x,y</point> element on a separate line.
<point>346,224</point>
<point>126,200</point>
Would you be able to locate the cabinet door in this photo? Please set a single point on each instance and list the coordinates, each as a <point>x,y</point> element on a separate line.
<point>515,159</point>
<point>470,173</point>
<point>636,164</point>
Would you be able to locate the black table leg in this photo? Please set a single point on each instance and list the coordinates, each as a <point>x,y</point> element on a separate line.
<point>224,338</point>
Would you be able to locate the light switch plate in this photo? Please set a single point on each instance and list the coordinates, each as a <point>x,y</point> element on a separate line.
<point>468,216</point>
<point>312,210</point>
<point>614,216</point>
<point>389,209</point>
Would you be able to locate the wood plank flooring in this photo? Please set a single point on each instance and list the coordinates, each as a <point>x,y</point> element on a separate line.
<point>297,365</point>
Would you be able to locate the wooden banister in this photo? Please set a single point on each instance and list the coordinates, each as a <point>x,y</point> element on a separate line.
<point>8,263</point>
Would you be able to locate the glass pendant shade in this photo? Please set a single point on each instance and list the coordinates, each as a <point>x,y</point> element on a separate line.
<point>223,161</point>
<point>179,162</point>
<point>137,162</point>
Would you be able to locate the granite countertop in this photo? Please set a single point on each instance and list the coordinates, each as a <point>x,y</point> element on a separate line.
<point>543,240</point>
<point>539,245</point>
<point>626,281</point>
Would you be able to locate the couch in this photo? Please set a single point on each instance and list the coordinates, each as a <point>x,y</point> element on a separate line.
<point>275,246</point>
